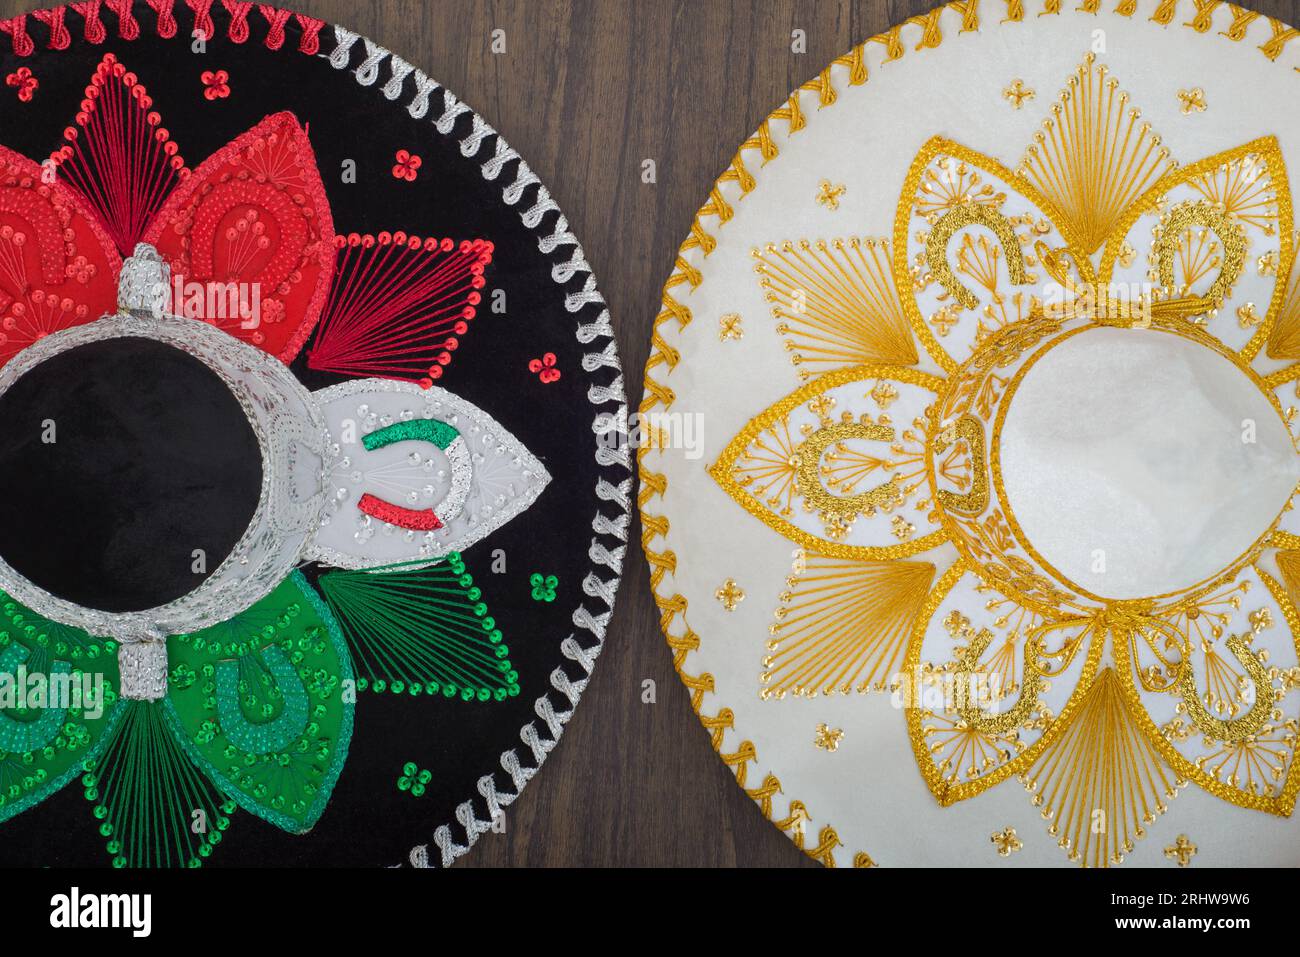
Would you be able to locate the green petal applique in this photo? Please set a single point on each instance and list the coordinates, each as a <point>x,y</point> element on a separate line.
<point>58,704</point>
<point>418,631</point>
<point>154,808</point>
<point>259,703</point>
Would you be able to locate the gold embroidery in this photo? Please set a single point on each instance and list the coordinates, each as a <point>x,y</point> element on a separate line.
<point>1094,155</point>
<point>849,70</point>
<point>827,738</point>
<point>758,466</point>
<point>1017,94</point>
<point>730,328</point>
<point>835,303</point>
<point>969,430</point>
<point>1235,729</point>
<point>1006,841</point>
<point>1182,850</point>
<point>730,594</point>
<point>1101,783</point>
<point>1192,101</point>
<point>947,225</point>
<point>1182,244</point>
<point>829,195</point>
<point>842,625</point>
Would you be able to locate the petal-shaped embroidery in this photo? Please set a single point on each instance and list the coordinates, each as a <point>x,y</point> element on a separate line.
<point>118,156</point>
<point>259,704</point>
<point>975,245</point>
<point>250,240</point>
<point>421,627</point>
<point>989,684</point>
<point>399,305</point>
<point>1215,243</point>
<point>835,303</point>
<point>842,625</point>
<point>152,806</point>
<point>44,744</point>
<point>838,466</point>
<point>1214,681</point>
<point>420,473</point>
<point>58,268</point>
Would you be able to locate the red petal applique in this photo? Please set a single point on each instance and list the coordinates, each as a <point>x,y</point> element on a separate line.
<point>249,238</point>
<point>398,305</point>
<point>58,268</point>
<point>118,157</point>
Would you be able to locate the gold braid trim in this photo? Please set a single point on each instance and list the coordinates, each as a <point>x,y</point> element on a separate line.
<point>657,393</point>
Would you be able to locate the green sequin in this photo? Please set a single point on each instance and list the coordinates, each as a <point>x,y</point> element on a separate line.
<point>418,430</point>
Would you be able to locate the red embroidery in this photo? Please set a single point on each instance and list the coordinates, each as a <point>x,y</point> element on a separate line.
<point>276,20</point>
<point>58,268</point>
<point>216,84</point>
<point>255,213</point>
<point>17,28</point>
<point>166,17</point>
<point>545,368</point>
<point>420,521</point>
<point>60,38</point>
<point>398,305</point>
<point>408,165</point>
<point>22,80</point>
<point>89,10</point>
<point>129,28</point>
<point>239,11</point>
<point>203,25</point>
<point>252,223</point>
<point>119,157</point>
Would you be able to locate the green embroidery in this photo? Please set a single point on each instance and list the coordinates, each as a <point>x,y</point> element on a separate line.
<point>420,430</point>
<point>413,779</point>
<point>543,587</point>
<point>32,728</point>
<point>273,686</point>
<point>154,807</point>
<point>421,630</point>
<point>39,755</point>
<point>284,769</point>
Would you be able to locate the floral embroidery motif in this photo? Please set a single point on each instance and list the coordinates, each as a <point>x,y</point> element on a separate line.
<point>829,194</point>
<point>543,586</point>
<point>414,779</point>
<point>1192,101</point>
<point>730,594</point>
<point>1007,669</point>
<point>545,368</point>
<point>216,84</point>
<point>1017,94</point>
<point>1182,850</point>
<point>1006,841</point>
<point>828,738</point>
<point>407,166</point>
<point>253,713</point>
<point>24,82</point>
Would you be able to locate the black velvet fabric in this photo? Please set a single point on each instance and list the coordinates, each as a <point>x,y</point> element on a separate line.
<point>369,821</point>
<point>152,458</point>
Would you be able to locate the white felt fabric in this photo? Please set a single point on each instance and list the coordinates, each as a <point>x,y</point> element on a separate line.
<point>870,789</point>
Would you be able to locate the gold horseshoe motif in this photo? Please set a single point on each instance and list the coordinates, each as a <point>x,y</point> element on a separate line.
<point>1030,679</point>
<point>973,214</point>
<point>807,478</point>
<point>1230,730</point>
<point>974,502</point>
<point>1232,238</point>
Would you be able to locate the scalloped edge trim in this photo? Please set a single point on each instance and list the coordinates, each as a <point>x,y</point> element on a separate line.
<point>923,32</point>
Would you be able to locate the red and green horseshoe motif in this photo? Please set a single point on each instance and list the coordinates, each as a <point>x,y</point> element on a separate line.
<point>445,437</point>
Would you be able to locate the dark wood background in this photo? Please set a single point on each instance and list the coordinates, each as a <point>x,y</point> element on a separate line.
<point>587,90</point>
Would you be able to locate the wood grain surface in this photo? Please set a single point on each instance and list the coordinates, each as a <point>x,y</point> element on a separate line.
<point>586,91</point>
